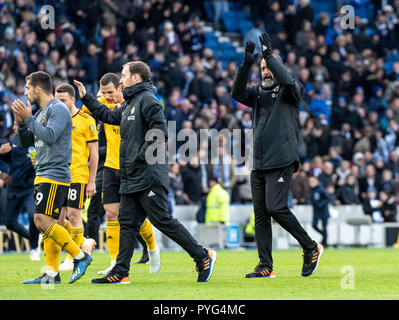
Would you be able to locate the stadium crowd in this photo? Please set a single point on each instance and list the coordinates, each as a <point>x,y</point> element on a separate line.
<point>350,111</point>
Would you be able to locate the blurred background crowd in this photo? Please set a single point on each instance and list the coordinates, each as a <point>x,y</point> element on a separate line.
<point>350,110</point>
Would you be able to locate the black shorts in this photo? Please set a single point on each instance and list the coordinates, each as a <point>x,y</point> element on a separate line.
<point>111,184</point>
<point>76,196</point>
<point>49,198</point>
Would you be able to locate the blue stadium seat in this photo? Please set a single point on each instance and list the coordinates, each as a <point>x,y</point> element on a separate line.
<point>230,21</point>
<point>244,26</point>
<point>388,67</point>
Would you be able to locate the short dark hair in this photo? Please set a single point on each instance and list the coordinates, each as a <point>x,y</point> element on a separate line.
<point>41,79</point>
<point>139,67</point>
<point>110,77</point>
<point>66,88</point>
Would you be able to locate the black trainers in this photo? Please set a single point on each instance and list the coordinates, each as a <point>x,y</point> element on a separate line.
<point>112,278</point>
<point>311,260</point>
<point>205,266</point>
<point>45,278</point>
<point>261,272</point>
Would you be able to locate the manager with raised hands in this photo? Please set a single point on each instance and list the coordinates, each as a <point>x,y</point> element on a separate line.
<point>275,103</point>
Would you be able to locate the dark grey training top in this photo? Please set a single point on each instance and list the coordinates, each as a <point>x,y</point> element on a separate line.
<point>50,131</point>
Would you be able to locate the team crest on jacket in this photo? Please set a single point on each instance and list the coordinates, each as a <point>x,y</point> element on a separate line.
<point>132,116</point>
<point>275,91</point>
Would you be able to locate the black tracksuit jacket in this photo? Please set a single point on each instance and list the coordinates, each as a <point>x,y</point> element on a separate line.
<point>140,113</point>
<point>276,126</point>
<point>20,169</point>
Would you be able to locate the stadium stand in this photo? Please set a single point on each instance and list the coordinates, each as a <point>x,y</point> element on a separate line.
<point>350,110</point>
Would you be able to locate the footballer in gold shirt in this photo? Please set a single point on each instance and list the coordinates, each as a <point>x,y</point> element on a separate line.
<point>83,171</point>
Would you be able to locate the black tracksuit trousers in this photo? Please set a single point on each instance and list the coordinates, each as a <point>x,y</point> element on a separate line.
<point>270,191</point>
<point>95,212</point>
<point>151,203</point>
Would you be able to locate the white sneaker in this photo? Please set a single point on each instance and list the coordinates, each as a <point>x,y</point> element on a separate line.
<point>88,245</point>
<point>66,265</point>
<point>155,260</point>
<point>34,255</point>
<point>113,263</point>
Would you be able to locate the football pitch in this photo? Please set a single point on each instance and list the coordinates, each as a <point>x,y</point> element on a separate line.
<point>344,274</point>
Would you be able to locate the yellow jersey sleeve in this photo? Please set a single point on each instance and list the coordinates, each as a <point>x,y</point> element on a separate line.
<point>81,134</point>
<point>113,136</point>
<point>91,131</point>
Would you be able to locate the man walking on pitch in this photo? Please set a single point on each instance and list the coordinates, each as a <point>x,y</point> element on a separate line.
<point>276,102</point>
<point>50,131</point>
<point>143,186</point>
<point>19,190</point>
<point>112,97</point>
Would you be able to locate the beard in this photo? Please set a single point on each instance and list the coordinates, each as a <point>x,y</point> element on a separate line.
<point>34,100</point>
<point>268,83</point>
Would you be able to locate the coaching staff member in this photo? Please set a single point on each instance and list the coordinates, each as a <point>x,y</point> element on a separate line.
<point>276,102</point>
<point>143,186</point>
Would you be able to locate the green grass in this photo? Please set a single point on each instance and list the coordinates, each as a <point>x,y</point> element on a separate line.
<point>375,276</point>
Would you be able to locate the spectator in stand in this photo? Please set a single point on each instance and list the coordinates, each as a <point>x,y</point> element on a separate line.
<point>346,194</point>
<point>332,194</point>
<point>300,185</point>
<point>334,157</point>
<point>388,206</point>
<point>302,37</point>
<point>176,183</point>
<point>131,36</point>
<point>254,34</point>
<point>89,66</point>
<point>320,201</point>
<point>201,85</point>
<point>322,24</point>
<point>305,11</point>
<point>219,7</point>
<point>388,184</point>
<point>192,177</point>
<point>342,172</point>
<point>172,38</point>
<point>344,141</point>
<point>369,181</point>
<point>110,63</point>
<point>372,205</point>
<point>363,143</point>
<point>319,73</point>
<point>173,112</point>
<point>327,176</point>
<point>316,166</point>
<point>20,191</point>
<point>223,168</point>
<point>393,165</point>
<point>217,203</point>
<point>319,107</point>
